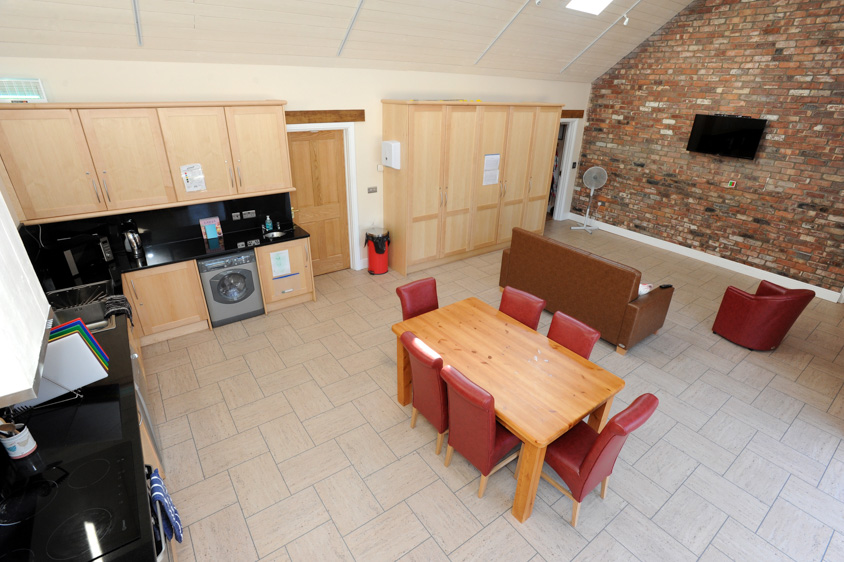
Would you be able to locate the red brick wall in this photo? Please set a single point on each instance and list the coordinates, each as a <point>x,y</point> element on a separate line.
<point>781,60</point>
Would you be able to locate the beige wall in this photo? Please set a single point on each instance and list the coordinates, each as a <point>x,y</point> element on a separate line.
<point>304,88</point>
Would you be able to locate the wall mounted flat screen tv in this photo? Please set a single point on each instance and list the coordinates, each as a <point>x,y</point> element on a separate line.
<point>726,135</point>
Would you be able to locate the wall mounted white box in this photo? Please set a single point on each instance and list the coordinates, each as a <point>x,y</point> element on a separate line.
<point>391,154</point>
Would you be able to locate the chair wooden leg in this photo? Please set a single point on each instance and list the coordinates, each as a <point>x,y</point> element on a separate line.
<point>575,510</point>
<point>482,487</point>
<point>440,443</point>
<point>413,418</point>
<point>604,483</point>
<point>448,452</point>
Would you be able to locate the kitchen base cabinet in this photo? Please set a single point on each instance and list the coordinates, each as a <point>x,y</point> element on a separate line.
<point>165,298</point>
<point>287,278</point>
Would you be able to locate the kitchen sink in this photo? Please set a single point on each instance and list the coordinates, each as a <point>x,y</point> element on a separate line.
<point>85,302</point>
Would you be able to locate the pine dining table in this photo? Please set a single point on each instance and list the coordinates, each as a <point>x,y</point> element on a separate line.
<point>541,389</point>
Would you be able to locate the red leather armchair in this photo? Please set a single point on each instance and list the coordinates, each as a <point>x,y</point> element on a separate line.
<point>522,306</point>
<point>418,297</point>
<point>429,394</point>
<point>582,457</point>
<point>573,334</point>
<point>473,431</point>
<point>760,321</point>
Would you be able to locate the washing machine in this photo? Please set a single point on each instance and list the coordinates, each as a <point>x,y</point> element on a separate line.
<point>231,286</point>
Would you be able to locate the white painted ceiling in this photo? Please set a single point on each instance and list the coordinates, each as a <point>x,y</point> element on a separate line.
<point>427,35</point>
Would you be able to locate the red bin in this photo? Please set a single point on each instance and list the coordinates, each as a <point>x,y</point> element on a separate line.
<point>377,242</point>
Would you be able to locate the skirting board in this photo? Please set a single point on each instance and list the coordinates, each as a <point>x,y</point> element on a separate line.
<point>825,294</point>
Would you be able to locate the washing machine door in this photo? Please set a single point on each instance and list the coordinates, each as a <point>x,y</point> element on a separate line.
<point>232,286</point>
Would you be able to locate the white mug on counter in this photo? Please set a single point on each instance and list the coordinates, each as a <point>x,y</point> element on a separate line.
<point>20,443</point>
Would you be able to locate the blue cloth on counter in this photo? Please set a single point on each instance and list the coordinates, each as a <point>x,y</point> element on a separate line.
<point>172,523</point>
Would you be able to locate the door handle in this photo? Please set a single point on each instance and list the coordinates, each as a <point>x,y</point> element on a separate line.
<point>94,186</point>
<point>445,204</point>
<point>134,290</point>
<point>231,177</point>
<point>105,185</point>
<point>505,189</point>
<point>441,197</point>
<point>240,176</point>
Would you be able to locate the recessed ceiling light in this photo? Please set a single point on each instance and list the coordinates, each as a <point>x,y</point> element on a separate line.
<point>594,7</point>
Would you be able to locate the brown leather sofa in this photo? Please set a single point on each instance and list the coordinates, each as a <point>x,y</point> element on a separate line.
<point>599,292</point>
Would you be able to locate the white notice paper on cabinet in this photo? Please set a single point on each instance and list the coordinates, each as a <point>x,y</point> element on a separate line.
<point>193,177</point>
<point>491,163</point>
<point>280,262</point>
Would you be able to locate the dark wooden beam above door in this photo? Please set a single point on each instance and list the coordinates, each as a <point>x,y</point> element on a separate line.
<point>325,116</point>
<point>567,114</point>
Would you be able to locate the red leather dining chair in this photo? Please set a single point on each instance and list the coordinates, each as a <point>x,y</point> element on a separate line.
<point>429,394</point>
<point>760,321</point>
<point>583,457</point>
<point>573,334</point>
<point>418,297</point>
<point>473,430</point>
<point>522,306</point>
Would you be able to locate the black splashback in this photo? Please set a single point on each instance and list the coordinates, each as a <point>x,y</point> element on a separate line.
<point>48,244</point>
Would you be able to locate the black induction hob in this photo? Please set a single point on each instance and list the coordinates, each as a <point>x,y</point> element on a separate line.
<point>81,495</point>
<point>72,511</point>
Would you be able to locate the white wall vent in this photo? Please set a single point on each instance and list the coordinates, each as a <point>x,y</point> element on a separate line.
<point>22,90</point>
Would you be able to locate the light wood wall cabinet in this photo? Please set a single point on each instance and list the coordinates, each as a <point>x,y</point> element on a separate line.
<point>65,161</point>
<point>289,288</point>
<point>166,297</point>
<point>129,156</point>
<point>441,205</point>
<point>48,162</point>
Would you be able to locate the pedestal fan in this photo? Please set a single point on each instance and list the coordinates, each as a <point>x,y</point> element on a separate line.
<point>594,178</point>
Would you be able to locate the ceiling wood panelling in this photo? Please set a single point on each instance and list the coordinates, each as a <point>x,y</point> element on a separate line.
<point>434,35</point>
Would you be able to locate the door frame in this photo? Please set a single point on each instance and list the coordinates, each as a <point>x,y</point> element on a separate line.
<point>355,258</point>
<point>565,183</point>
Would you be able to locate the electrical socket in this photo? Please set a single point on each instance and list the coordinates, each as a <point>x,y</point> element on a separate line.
<point>241,245</point>
<point>254,242</point>
<point>235,216</point>
<point>373,189</point>
<point>249,214</point>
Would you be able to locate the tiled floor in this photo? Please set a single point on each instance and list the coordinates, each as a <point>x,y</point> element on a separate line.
<point>283,440</point>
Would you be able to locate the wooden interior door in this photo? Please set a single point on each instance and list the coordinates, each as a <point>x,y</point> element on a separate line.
<point>318,165</point>
<point>48,162</point>
<point>426,134</point>
<point>461,147</point>
<point>258,137</point>
<point>516,166</point>
<point>541,167</point>
<point>198,135</point>
<point>493,136</point>
<point>128,151</point>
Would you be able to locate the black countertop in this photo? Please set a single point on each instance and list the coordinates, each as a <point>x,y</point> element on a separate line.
<point>198,248</point>
<point>77,435</point>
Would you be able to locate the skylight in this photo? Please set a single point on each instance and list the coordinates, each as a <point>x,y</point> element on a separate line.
<point>594,7</point>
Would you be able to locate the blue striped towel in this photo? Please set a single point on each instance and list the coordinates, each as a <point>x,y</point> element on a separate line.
<point>172,523</point>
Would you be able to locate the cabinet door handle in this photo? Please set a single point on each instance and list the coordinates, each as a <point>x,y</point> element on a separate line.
<point>307,255</point>
<point>441,197</point>
<point>505,189</point>
<point>530,185</point>
<point>231,178</point>
<point>240,176</point>
<point>501,189</point>
<point>445,204</point>
<point>94,186</point>
<point>105,185</point>
<point>134,290</point>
